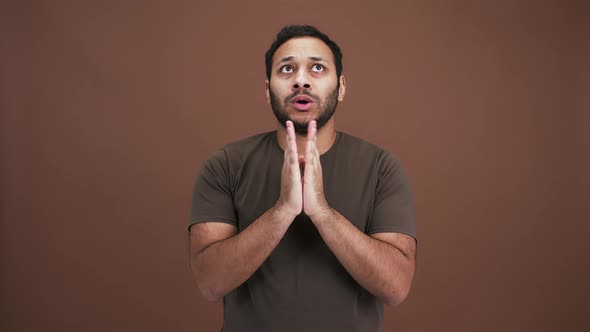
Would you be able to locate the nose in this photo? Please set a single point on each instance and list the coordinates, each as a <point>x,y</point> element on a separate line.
<point>301,81</point>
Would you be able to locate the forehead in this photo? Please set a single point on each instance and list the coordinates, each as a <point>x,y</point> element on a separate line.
<point>301,48</point>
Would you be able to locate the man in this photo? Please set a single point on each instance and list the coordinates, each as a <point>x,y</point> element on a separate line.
<point>304,228</point>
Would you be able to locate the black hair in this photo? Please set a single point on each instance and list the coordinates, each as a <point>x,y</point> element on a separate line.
<point>294,31</point>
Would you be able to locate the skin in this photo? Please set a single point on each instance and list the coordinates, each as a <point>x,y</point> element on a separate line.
<point>305,76</point>
<point>222,259</point>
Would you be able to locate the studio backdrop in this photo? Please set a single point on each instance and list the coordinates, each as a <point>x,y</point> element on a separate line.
<point>108,109</point>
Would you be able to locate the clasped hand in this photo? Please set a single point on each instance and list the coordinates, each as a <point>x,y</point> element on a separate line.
<point>302,187</point>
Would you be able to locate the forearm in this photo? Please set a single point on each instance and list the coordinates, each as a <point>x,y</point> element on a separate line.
<point>225,265</point>
<point>379,267</point>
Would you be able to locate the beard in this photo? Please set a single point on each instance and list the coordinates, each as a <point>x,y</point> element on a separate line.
<point>327,109</point>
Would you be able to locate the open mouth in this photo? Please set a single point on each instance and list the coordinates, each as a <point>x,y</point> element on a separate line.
<point>302,102</point>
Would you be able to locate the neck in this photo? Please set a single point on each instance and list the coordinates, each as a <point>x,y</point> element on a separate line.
<point>325,138</point>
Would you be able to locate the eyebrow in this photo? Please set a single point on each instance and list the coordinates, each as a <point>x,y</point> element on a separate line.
<point>317,58</point>
<point>288,58</point>
<point>314,58</point>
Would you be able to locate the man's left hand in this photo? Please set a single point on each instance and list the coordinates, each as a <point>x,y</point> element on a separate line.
<point>314,201</point>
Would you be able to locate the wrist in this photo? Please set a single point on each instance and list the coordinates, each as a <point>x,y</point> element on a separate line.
<point>282,212</point>
<point>324,213</point>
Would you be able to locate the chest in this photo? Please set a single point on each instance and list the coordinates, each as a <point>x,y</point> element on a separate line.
<point>349,188</point>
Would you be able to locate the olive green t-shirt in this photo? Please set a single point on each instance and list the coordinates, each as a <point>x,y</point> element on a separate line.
<point>302,286</point>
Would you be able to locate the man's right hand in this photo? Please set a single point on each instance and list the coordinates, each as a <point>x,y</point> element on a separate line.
<point>222,258</point>
<point>291,198</point>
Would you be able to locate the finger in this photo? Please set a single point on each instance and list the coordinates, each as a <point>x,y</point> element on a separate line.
<point>315,132</point>
<point>291,148</point>
<point>311,146</point>
<point>290,156</point>
<point>315,138</point>
<point>310,154</point>
<point>309,133</point>
<point>293,152</point>
<point>312,131</point>
<point>287,156</point>
<point>290,130</point>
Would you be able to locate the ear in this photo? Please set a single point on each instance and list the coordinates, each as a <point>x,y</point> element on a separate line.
<point>342,89</point>
<point>267,88</point>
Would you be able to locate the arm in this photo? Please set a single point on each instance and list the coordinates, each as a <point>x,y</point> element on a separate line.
<point>222,259</point>
<point>383,263</point>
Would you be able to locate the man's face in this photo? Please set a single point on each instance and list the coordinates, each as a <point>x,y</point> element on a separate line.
<point>303,85</point>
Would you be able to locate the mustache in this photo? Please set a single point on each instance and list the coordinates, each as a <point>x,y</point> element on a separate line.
<point>301,93</point>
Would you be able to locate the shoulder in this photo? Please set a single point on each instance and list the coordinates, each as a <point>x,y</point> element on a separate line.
<point>238,149</point>
<point>361,148</point>
<point>250,141</point>
<point>247,145</point>
<point>244,145</point>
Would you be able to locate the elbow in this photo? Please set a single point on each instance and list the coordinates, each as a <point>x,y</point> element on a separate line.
<point>209,290</point>
<point>393,300</point>
<point>396,296</point>
<point>210,294</point>
<point>399,288</point>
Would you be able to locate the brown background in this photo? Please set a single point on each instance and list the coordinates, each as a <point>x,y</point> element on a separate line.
<point>109,108</point>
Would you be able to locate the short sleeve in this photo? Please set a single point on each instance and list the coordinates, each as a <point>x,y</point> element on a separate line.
<point>393,209</point>
<point>212,198</point>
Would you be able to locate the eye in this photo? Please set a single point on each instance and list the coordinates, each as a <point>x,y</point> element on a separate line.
<point>286,69</point>
<point>317,67</point>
